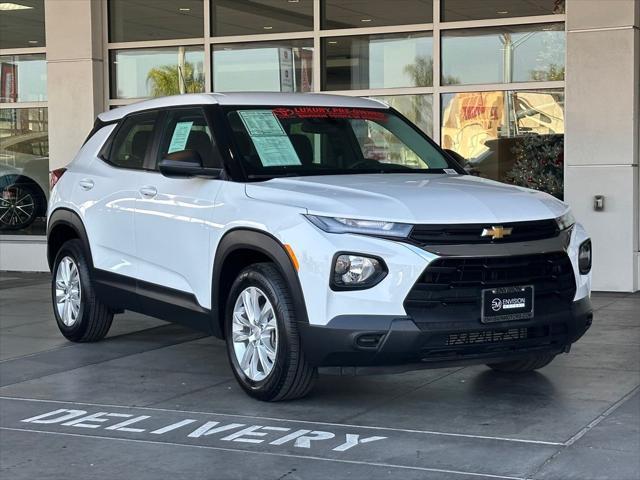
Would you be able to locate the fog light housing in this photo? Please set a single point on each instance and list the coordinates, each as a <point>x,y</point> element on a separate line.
<point>584,257</point>
<point>352,271</point>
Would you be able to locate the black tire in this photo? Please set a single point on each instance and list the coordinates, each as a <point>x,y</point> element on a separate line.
<point>94,318</point>
<point>28,193</point>
<point>291,376</point>
<point>524,365</point>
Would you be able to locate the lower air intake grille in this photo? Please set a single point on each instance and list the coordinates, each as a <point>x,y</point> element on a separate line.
<point>487,336</point>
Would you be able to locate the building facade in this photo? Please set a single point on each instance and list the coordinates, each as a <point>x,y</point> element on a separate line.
<point>539,93</point>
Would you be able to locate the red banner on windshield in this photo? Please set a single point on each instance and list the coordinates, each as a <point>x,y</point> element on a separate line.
<point>330,112</point>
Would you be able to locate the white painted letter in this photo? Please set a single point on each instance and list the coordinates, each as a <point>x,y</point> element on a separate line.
<point>302,439</point>
<point>353,440</point>
<point>207,429</point>
<point>94,417</point>
<point>173,426</point>
<point>68,415</point>
<point>122,426</point>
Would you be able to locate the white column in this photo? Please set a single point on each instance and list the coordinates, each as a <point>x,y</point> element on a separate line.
<point>75,74</point>
<point>602,134</point>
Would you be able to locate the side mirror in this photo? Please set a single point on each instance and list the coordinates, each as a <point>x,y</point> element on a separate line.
<point>186,163</point>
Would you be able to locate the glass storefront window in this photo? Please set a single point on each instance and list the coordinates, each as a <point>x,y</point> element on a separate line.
<point>514,136</point>
<point>23,78</point>
<point>156,72</point>
<point>503,54</point>
<point>377,61</point>
<point>367,13</point>
<point>22,24</point>
<point>264,66</point>
<point>24,170</point>
<point>456,10</point>
<point>234,17</point>
<point>417,108</point>
<point>155,20</point>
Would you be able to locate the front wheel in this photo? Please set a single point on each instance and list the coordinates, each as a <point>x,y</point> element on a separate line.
<point>262,338</point>
<point>524,365</point>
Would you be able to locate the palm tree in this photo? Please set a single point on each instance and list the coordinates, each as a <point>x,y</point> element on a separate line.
<point>174,80</point>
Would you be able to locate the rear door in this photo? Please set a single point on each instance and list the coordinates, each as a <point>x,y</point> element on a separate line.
<point>174,215</point>
<point>106,193</point>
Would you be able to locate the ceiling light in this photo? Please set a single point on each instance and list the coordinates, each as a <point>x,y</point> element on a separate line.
<point>184,9</point>
<point>333,42</point>
<point>365,20</point>
<point>33,42</point>
<point>7,6</point>
<point>502,12</point>
<point>268,27</point>
<point>293,1</point>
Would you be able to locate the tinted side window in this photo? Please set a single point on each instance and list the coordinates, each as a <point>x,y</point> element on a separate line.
<point>188,130</point>
<point>132,141</point>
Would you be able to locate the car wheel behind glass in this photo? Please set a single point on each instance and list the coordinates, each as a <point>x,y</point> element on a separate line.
<point>524,365</point>
<point>80,314</point>
<point>262,338</point>
<point>19,207</point>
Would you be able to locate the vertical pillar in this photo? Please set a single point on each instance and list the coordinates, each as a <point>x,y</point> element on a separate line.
<point>75,82</point>
<point>602,134</point>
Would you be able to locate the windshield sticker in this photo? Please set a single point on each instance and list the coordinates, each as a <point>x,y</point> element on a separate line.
<point>180,136</point>
<point>450,171</point>
<point>331,112</point>
<point>276,151</point>
<point>261,122</point>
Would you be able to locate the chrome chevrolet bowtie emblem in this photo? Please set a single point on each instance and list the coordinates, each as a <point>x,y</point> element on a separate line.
<point>497,232</point>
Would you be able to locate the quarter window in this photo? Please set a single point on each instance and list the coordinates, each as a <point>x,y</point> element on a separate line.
<point>132,141</point>
<point>188,130</point>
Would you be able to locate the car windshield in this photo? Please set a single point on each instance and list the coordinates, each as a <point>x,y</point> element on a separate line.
<point>295,141</point>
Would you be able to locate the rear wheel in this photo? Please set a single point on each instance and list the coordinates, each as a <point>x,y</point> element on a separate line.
<point>262,337</point>
<point>524,365</point>
<point>19,207</point>
<point>80,314</point>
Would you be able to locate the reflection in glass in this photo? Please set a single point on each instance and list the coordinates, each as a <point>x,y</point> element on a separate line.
<point>23,78</point>
<point>22,24</point>
<point>155,20</point>
<point>504,54</point>
<point>367,13</point>
<point>264,66</point>
<point>417,108</point>
<point>377,61</point>
<point>156,72</point>
<point>515,137</point>
<point>246,17</point>
<point>456,10</point>
<point>24,170</point>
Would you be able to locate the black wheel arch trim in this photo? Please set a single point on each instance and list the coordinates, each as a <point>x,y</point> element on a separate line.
<point>69,218</point>
<point>240,238</point>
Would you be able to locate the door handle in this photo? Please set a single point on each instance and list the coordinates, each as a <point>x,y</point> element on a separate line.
<point>86,184</point>
<point>148,191</point>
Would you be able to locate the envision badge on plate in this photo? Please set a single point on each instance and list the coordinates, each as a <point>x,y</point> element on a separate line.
<point>507,303</point>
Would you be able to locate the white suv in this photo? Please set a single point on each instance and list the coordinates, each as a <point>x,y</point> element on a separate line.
<point>315,233</point>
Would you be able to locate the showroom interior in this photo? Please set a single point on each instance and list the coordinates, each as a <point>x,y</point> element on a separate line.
<point>540,93</point>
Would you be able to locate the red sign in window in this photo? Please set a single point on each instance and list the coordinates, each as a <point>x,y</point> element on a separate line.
<point>330,112</point>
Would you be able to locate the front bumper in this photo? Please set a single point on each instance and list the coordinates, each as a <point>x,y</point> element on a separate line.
<point>358,345</point>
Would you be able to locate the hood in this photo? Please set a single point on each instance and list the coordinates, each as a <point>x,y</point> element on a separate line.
<point>410,198</point>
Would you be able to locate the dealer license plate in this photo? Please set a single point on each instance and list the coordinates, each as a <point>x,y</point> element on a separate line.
<point>507,304</point>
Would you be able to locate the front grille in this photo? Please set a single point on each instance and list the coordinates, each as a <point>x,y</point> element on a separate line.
<point>450,288</point>
<point>469,233</point>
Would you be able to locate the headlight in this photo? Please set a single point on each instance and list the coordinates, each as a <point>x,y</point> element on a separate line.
<point>565,221</point>
<point>584,257</point>
<point>352,271</point>
<point>366,227</point>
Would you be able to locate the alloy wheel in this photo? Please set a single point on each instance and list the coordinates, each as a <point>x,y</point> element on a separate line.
<point>17,207</point>
<point>68,291</point>
<point>254,333</point>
